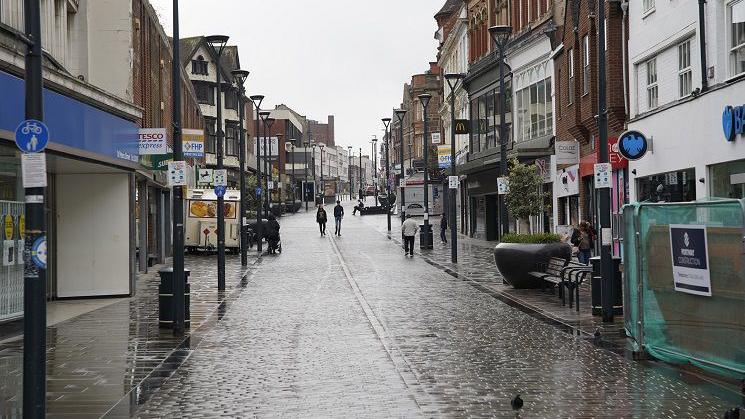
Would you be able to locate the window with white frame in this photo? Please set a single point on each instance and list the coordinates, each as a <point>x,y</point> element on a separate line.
<point>586,65</point>
<point>652,88</point>
<point>736,17</point>
<point>685,72</point>
<point>647,5</point>
<point>534,103</point>
<point>570,72</point>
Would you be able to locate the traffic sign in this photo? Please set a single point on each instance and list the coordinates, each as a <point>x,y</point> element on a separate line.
<point>258,191</point>
<point>453,182</point>
<point>177,173</point>
<point>220,191</point>
<point>603,175</point>
<point>220,177</point>
<point>39,252</point>
<point>32,136</point>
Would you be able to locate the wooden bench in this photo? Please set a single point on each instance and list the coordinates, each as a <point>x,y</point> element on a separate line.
<point>565,275</point>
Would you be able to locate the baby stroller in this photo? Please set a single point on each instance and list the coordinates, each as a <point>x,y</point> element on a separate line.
<point>271,233</point>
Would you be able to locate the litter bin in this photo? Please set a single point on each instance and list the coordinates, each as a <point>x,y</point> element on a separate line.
<point>597,299</point>
<point>165,298</point>
<point>425,236</point>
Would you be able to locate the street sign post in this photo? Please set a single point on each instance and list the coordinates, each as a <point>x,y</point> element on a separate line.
<point>220,177</point>
<point>220,191</point>
<point>453,182</point>
<point>32,136</point>
<point>603,175</point>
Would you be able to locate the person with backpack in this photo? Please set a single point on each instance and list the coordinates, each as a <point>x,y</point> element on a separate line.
<point>321,219</point>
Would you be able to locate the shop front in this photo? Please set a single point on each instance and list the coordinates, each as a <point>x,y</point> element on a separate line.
<point>703,157</point>
<point>92,161</point>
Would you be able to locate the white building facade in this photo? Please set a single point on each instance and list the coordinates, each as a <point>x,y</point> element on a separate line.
<point>695,123</point>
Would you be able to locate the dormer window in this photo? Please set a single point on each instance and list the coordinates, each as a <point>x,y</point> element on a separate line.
<point>200,66</point>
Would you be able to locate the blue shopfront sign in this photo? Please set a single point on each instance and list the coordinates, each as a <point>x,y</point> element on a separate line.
<point>733,122</point>
<point>71,123</point>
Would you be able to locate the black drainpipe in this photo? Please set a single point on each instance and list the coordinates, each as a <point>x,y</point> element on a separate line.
<point>702,41</point>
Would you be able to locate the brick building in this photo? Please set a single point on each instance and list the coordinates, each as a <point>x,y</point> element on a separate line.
<point>323,133</point>
<point>576,95</point>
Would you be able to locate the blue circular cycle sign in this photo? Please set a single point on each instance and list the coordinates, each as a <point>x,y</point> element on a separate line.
<point>633,145</point>
<point>32,136</point>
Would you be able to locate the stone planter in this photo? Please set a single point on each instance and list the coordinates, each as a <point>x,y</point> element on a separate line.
<point>515,260</point>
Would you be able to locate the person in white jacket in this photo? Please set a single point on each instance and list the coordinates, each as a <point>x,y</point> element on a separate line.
<point>409,229</point>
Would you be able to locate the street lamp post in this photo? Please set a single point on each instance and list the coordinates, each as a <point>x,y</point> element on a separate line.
<point>217,43</point>
<point>606,262</point>
<point>239,77</point>
<point>425,237</point>
<point>34,278</point>
<point>400,114</point>
<point>374,142</point>
<point>268,122</point>
<point>313,163</point>
<point>305,173</point>
<point>411,155</point>
<point>362,179</point>
<point>257,99</point>
<point>292,173</point>
<point>453,79</point>
<point>387,124</point>
<point>276,184</point>
<point>323,185</point>
<point>349,169</point>
<point>501,34</point>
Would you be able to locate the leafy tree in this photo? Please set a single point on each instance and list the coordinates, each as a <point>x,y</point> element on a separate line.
<point>525,197</point>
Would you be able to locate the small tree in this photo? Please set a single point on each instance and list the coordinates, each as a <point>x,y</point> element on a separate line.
<point>525,197</point>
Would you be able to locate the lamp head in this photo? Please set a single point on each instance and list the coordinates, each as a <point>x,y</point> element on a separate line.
<point>386,122</point>
<point>264,115</point>
<point>500,34</point>
<point>400,113</point>
<point>240,76</point>
<point>425,98</point>
<point>269,122</point>
<point>257,99</point>
<point>217,41</point>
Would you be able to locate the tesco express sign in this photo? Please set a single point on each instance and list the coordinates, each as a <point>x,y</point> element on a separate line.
<point>152,141</point>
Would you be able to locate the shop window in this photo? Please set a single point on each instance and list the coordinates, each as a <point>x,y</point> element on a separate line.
<point>677,186</point>
<point>727,180</point>
<point>534,111</point>
<point>685,72</point>
<point>205,93</point>
<point>586,65</point>
<point>736,16</point>
<point>200,66</point>
<point>210,125</point>
<point>231,139</point>
<point>652,88</point>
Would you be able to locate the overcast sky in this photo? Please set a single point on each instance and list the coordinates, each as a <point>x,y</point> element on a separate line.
<point>347,58</point>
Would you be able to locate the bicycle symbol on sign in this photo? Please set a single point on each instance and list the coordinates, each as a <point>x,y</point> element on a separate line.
<point>31,128</point>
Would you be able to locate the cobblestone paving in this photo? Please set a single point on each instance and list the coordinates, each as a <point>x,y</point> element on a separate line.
<point>349,327</point>
<point>107,357</point>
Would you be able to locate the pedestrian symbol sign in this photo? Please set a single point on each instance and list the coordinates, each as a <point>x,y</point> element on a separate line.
<point>220,191</point>
<point>39,252</point>
<point>32,136</point>
<point>258,191</point>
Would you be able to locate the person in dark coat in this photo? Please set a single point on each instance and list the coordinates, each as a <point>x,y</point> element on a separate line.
<point>271,232</point>
<point>338,215</point>
<point>321,219</point>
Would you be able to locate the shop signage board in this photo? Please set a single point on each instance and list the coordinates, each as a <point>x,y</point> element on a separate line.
<point>543,166</point>
<point>204,176</point>
<point>32,136</point>
<point>603,175</point>
<point>503,185</point>
<point>443,156</point>
<point>733,122</point>
<point>220,177</point>
<point>177,173</point>
<point>567,152</point>
<point>462,126</point>
<point>193,143</point>
<point>690,258</point>
<point>633,145</point>
<point>152,141</point>
<point>158,161</point>
<point>568,181</point>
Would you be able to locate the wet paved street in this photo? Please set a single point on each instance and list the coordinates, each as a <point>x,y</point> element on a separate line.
<point>349,327</point>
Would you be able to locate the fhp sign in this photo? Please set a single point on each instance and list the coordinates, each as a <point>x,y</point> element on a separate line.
<point>152,141</point>
<point>193,143</point>
<point>733,122</point>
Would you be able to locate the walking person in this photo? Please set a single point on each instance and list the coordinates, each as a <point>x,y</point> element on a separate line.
<point>444,229</point>
<point>582,239</point>
<point>409,229</point>
<point>321,219</point>
<point>338,215</point>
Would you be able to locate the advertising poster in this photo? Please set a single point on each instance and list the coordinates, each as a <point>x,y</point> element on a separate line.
<point>443,156</point>
<point>690,252</point>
